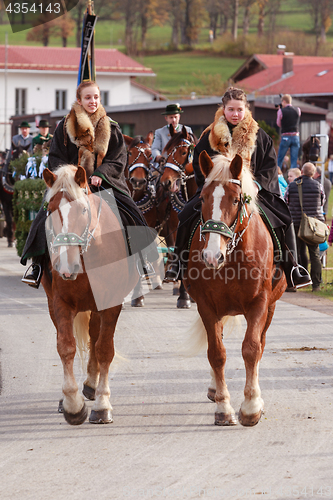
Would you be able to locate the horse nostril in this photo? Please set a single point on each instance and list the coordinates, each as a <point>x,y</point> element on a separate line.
<point>220,259</point>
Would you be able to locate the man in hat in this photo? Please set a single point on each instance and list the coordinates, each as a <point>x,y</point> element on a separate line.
<point>43,135</point>
<point>162,135</point>
<point>21,142</point>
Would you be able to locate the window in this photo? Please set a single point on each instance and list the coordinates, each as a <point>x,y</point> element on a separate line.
<point>20,101</point>
<point>61,99</point>
<point>104,97</point>
<point>127,129</point>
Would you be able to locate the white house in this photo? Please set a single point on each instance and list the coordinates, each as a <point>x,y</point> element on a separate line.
<point>37,80</point>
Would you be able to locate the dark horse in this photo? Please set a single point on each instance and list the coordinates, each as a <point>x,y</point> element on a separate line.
<point>88,279</point>
<point>231,271</point>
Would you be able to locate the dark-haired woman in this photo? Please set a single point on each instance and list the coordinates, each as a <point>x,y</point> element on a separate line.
<point>235,131</point>
<point>87,137</point>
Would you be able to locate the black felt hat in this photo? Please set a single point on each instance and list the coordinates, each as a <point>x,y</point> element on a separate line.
<point>172,109</point>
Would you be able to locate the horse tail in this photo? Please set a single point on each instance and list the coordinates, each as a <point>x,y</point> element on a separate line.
<point>198,341</point>
<point>81,334</point>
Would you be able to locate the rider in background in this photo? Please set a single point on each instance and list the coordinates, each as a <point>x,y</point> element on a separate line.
<point>162,135</point>
<point>235,131</point>
<point>88,137</point>
<point>21,142</point>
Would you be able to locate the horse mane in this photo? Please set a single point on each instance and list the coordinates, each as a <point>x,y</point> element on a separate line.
<point>136,141</point>
<point>65,181</point>
<point>221,172</point>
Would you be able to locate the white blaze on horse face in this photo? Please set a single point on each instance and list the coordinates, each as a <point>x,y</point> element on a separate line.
<point>69,257</point>
<point>213,248</point>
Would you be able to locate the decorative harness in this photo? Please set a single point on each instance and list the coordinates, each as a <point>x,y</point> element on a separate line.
<point>135,165</point>
<point>219,227</point>
<point>178,167</point>
<point>73,239</point>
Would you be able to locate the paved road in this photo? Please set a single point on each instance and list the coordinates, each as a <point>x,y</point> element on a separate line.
<point>163,443</point>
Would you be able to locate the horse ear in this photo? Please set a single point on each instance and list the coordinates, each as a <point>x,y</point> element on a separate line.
<point>127,139</point>
<point>205,163</point>
<point>184,132</point>
<point>236,167</point>
<point>150,137</point>
<point>80,177</point>
<point>171,130</point>
<point>49,177</point>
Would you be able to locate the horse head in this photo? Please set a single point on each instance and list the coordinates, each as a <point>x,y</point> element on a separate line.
<point>223,205</point>
<point>69,218</point>
<point>178,161</point>
<point>139,158</point>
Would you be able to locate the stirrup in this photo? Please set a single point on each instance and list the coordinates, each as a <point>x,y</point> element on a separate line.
<point>306,275</point>
<point>34,282</point>
<point>145,269</point>
<point>172,273</point>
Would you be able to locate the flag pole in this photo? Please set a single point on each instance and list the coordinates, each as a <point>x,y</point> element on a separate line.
<point>87,69</point>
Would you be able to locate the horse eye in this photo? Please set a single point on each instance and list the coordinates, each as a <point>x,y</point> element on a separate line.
<point>84,210</point>
<point>236,201</point>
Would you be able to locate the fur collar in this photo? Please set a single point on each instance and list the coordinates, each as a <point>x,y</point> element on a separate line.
<point>90,133</point>
<point>242,140</point>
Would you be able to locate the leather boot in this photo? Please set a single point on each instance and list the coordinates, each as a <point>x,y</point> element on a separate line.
<point>297,276</point>
<point>33,274</point>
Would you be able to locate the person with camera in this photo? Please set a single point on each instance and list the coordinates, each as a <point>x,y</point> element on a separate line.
<point>288,118</point>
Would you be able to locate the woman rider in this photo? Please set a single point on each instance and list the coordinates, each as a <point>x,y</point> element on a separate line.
<point>235,131</point>
<point>88,137</point>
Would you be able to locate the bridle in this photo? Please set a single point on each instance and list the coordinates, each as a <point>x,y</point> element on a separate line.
<point>221,228</point>
<point>73,239</point>
<point>178,167</point>
<point>134,165</point>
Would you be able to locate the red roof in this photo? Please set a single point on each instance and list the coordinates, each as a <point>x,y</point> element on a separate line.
<point>276,59</point>
<point>67,59</point>
<point>308,78</point>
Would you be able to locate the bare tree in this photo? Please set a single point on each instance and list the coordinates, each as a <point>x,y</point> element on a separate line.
<point>235,10</point>
<point>247,4</point>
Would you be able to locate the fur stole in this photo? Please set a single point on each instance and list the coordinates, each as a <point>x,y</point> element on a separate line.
<point>242,140</point>
<point>90,133</point>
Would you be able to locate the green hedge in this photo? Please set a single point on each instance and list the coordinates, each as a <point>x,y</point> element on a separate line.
<point>27,200</point>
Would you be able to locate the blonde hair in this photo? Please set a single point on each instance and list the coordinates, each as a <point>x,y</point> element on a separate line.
<point>287,98</point>
<point>308,169</point>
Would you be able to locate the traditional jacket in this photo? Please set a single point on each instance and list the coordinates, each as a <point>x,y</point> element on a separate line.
<point>257,150</point>
<point>162,136</point>
<point>95,142</point>
<point>40,139</point>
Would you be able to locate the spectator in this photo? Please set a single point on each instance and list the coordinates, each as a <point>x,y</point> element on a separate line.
<point>282,182</point>
<point>288,120</point>
<point>327,188</point>
<point>21,142</point>
<point>330,238</point>
<point>330,168</point>
<point>293,173</point>
<point>285,164</point>
<point>313,200</point>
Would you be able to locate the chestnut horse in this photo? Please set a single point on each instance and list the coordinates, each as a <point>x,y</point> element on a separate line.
<point>90,275</point>
<point>231,271</point>
<point>138,164</point>
<point>178,176</point>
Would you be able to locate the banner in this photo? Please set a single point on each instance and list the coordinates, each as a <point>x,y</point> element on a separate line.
<point>87,69</point>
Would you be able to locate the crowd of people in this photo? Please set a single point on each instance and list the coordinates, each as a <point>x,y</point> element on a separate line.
<point>276,176</point>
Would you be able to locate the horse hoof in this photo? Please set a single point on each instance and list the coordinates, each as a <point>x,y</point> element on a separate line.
<point>183,303</point>
<point>192,300</point>
<point>249,420</point>
<point>211,394</point>
<point>138,302</point>
<point>225,419</point>
<point>100,417</point>
<point>88,392</point>
<point>175,290</point>
<point>60,406</point>
<point>77,418</point>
